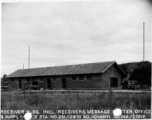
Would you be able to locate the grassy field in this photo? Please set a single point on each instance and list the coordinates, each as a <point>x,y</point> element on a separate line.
<point>75,101</point>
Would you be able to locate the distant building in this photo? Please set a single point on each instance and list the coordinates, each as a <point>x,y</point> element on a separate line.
<point>102,75</point>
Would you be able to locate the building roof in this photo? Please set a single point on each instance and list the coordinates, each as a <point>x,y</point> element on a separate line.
<point>89,68</point>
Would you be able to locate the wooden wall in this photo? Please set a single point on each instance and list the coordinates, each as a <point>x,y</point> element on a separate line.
<point>111,72</point>
<point>98,81</point>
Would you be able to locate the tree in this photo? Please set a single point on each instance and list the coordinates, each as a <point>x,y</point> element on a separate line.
<point>3,78</point>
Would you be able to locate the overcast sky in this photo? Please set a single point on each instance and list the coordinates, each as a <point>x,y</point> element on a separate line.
<point>62,33</point>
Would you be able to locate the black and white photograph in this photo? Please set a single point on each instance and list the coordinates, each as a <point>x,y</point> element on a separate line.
<point>76,59</point>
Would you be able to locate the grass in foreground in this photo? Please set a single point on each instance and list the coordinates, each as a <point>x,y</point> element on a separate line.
<point>76,101</point>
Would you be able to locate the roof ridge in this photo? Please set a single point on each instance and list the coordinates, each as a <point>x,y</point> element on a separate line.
<point>86,68</point>
<point>66,65</point>
<point>108,66</point>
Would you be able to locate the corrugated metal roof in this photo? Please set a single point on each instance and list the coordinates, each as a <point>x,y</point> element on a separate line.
<point>63,70</point>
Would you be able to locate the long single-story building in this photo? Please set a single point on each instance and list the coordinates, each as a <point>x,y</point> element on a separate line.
<point>101,75</point>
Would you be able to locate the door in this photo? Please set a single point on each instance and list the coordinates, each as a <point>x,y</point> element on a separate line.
<point>49,83</point>
<point>64,83</point>
<point>20,83</point>
<point>113,82</point>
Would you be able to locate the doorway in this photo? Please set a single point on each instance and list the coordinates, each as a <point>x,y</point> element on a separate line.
<point>20,83</point>
<point>49,83</point>
<point>63,83</point>
<point>113,82</point>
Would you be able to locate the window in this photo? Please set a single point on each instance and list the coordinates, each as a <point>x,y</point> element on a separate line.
<point>74,77</point>
<point>41,79</point>
<point>81,77</point>
<point>89,77</point>
<point>113,82</point>
<point>34,83</point>
<point>54,79</point>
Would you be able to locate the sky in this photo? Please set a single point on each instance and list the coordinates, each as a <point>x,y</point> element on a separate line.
<point>74,32</point>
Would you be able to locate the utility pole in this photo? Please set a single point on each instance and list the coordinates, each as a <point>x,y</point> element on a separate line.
<point>29,58</point>
<point>143,41</point>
